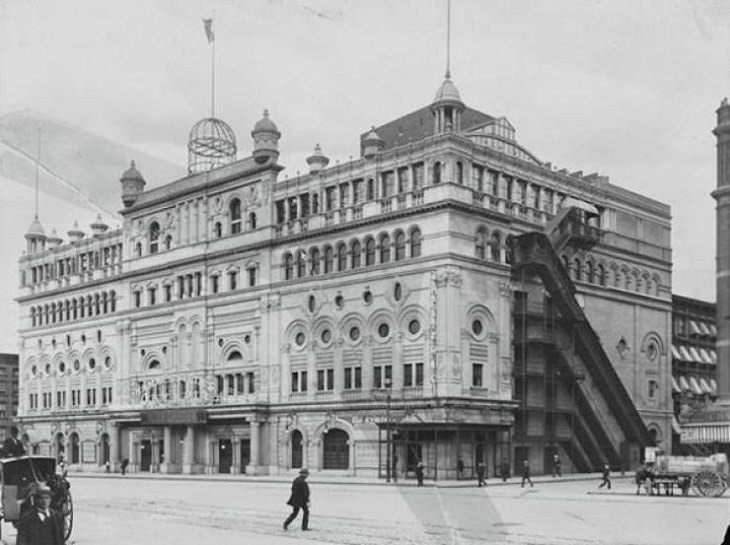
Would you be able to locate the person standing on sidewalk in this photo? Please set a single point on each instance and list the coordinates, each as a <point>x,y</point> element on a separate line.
<point>459,469</point>
<point>394,468</point>
<point>125,463</point>
<point>419,473</point>
<point>504,470</point>
<point>606,477</point>
<point>299,499</point>
<point>557,466</point>
<point>480,475</point>
<point>526,473</point>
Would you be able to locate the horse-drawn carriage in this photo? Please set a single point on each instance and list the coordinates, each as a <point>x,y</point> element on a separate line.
<point>20,476</point>
<point>706,475</point>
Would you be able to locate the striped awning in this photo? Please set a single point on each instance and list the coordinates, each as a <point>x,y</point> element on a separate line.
<point>705,433</point>
<point>695,386</point>
<point>713,355</point>
<point>675,387</point>
<point>705,355</point>
<point>695,355</point>
<point>705,330</point>
<point>694,328</point>
<point>684,354</point>
<point>676,428</point>
<point>713,385</point>
<point>683,384</point>
<point>675,353</point>
<point>705,387</point>
<point>713,330</point>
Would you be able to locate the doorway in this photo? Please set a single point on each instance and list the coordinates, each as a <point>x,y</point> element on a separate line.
<point>296,449</point>
<point>105,448</point>
<point>145,455</point>
<point>336,451</point>
<point>245,454</point>
<point>225,455</point>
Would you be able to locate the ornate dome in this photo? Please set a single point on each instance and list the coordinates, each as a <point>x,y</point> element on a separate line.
<point>372,136</point>
<point>211,144</point>
<point>265,125</point>
<point>35,229</point>
<point>132,174</point>
<point>447,91</point>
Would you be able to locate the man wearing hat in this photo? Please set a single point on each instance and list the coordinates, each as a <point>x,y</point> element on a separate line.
<point>12,445</point>
<point>299,499</point>
<point>40,525</point>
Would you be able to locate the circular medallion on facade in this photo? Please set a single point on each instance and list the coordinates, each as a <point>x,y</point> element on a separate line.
<point>477,327</point>
<point>326,336</point>
<point>414,327</point>
<point>300,339</point>
<point>367,296</point>
<point>383,330</point>
<point>354,333</point>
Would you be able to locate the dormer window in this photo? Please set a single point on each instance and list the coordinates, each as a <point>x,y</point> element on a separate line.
<point>154,237</point>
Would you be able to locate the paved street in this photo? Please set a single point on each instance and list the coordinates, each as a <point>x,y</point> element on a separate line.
<point>116,511</point>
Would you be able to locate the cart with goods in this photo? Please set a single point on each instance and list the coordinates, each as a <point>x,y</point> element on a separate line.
<point>706,475</point>
<point>20,476</point>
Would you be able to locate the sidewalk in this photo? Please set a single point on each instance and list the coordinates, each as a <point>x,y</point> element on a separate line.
<point>323,478</point>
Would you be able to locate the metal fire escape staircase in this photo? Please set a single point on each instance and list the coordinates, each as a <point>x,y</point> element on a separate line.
<point>607,424</point>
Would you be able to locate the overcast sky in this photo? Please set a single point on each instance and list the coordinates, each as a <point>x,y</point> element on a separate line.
<point>625,88</point>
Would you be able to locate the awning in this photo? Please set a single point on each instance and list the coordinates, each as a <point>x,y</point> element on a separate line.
<point>713,385</point>
<point>705,433</point>
<point>705,387</point>
<point>683,384</point>
<point>695,355</point>
<point>705,330</point>
<point>706,358</point>
<point>675,386</point>
<point>676,428</point>
<point>572,202</point>
<point>695,386</point>
<point>694,328</point>
<point>675,353</point>
<point>684,354</point>
<point>713,355</point>
<point>713,330</point>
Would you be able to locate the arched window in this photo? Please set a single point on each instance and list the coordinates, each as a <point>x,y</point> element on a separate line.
<point>436,173</point>
<point>577,269</point>
<point>590,272</point>
<point>154,364</point>
<point>459,173</point>
<point>218,229</point>
<point>104,303</point>
<point>369,251</point>
<point>385,248</point>
<point>416,243</point>
<point>341,257</point>
<point>235,216</point>
<point>75,448</point>
<point>32,316</point>
<point>252,220</point>
<point>329,257</point>
<point>112,300</point>
<point>235,356</point>
<point>371,189</point>
<point>481,243</point>
<point>601,275</point>
<point>154,237</point>
<point>301,264</point>
<point>138,249</point>
<point>168,242</point>
<point>314,258</point>
<point>356,250</point>
<point>400,246</point>
<point>495,244</point>
<point>97,304</point>
<point>508,243</point>
<point>288,266</point>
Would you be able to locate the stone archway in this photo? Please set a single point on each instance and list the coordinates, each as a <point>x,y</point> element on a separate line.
<point>335,449</point>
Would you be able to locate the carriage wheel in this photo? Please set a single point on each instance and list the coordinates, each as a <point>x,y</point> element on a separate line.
<point>708,483</point>
<point>67,511</point>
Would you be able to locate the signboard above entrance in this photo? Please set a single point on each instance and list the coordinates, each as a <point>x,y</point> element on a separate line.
<point>173,417</point>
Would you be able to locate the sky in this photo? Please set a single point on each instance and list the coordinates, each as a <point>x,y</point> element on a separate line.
<point>626,89</point>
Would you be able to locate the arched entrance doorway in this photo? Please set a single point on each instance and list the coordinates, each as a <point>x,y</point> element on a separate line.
<point>75,448</point>
<point>296,449</point>
<point>335,450</point>
<point>104,448</point>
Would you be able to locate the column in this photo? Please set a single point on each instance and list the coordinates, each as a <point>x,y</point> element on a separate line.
<point>236,464</point>
<point>254,463</point>
<point>189,450</point>
<point>167,449</point>
<point>132,453</point>
<point>114,442</point>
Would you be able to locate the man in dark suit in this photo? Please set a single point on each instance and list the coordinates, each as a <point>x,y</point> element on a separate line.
<point>299,499</point>
<point>40,525</point>
<point>12,445</point>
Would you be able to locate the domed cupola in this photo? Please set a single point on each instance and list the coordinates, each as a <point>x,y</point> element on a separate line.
<point>35,237</point>
<point>372,144</point>
<point>98,228</point>
<point>53,241</point>
<point>265,136</point>
<point>447,108</point>
<point>75,234</point>
<point>132,185</point>
<point>317,161</point>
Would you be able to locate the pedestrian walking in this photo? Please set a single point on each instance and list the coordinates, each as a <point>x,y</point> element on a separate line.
<point>480,475</point>
<point>107,466</point>
<point>526,473</point>
<point>395,468</point>
<point>125,463</point>
<point>40,525</point>
<point>419,473</point>
<point>606,477</point>
<point>299,499</point>
<point>557,466</point>
<point>504,470</point>
<point>640,477</point>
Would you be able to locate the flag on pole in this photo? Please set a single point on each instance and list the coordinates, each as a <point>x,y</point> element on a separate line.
<point>208,23</point>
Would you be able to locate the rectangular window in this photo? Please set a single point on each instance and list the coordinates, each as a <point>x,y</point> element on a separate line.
<point>232,278</point>
<point>303,381</point>
<point>417,174</point>
<point>382,376</point>
<point>231,384</point>
<point>137,299</point>
<point>320,380</point>
<point>251,277</point>
<point>180,287</point>
<point>325,380</point>
<point>299,381</point>
<point>419,374</point>
<point>653,388</point>
<point>348,378</point>
<point>152,296</point>
<point>168,293</point>
<point>476,374</point>
<point>239,383</point>
<point>250,383</point>
<point>295,382</point>
<point>408,375</point>
<point>214,281</point>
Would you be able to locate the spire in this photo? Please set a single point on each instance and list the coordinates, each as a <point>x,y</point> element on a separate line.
<point>37,173</point>
<point>448,39</point>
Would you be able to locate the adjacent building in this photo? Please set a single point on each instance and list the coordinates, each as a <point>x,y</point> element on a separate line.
<point>446,295</point>
<point>8,393</point>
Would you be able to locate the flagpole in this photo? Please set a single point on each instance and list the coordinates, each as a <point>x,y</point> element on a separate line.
<point>212,83</point>
<point>37,173</point>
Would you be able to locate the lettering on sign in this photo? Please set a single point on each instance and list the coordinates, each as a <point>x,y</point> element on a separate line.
<point>171,417</point>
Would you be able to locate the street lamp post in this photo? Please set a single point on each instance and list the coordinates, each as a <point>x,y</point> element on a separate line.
<point>387,431</point>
